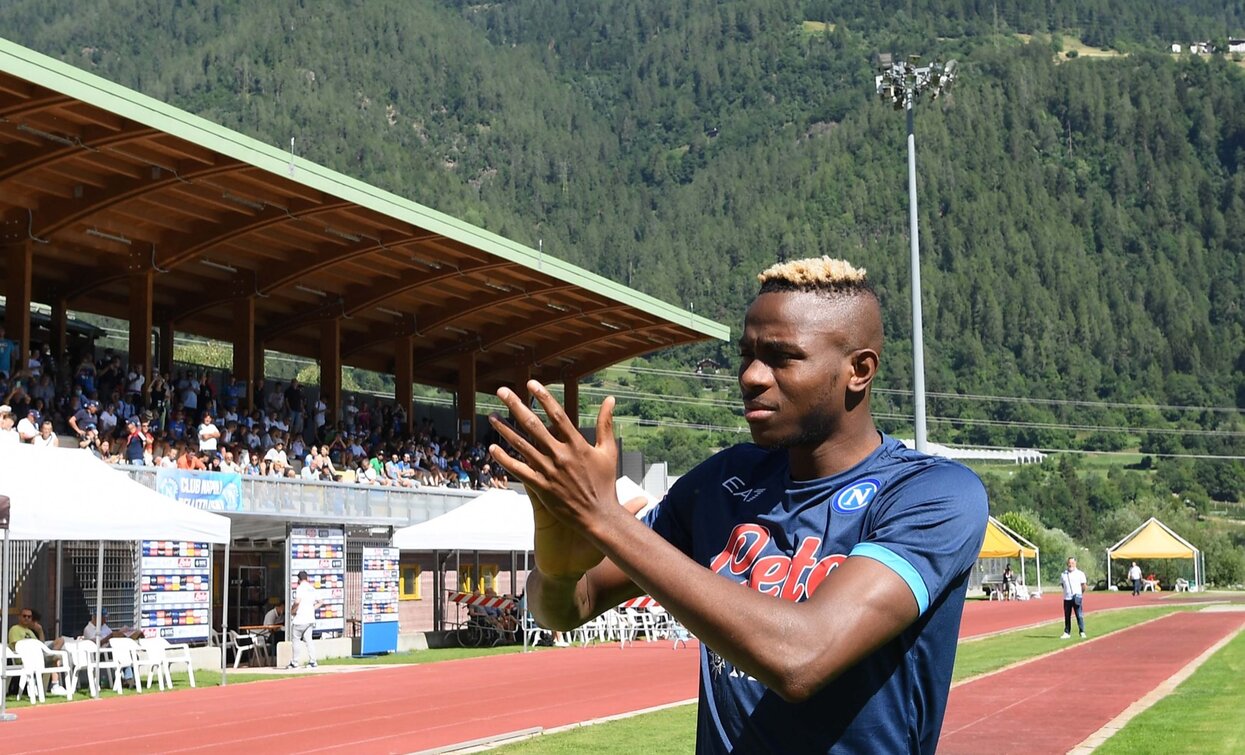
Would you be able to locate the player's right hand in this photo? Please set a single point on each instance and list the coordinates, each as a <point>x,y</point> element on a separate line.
<point>561,552</point>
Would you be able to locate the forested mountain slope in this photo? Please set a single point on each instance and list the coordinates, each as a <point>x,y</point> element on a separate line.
<point>1083,221</point>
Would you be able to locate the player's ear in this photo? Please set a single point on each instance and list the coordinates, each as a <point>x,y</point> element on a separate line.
<point>864,367</point>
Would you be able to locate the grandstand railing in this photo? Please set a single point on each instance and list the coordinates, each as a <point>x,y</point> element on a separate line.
<point>318,501</point>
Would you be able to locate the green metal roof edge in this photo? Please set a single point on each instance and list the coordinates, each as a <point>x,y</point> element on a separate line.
<point>61,77</point>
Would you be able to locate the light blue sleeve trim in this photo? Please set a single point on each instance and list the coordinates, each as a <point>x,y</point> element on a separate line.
<point>897,564</point>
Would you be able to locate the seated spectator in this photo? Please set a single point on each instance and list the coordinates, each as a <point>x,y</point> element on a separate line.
<point>276,457</point>
<point>29,628</point>
<point>102,633</point>
<point>28,427</point>
<point>274,617</point>
<point>46,438</point>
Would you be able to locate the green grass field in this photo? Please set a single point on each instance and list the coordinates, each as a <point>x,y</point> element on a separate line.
<point>1205,714</point>
<point>674,729</point>
<point>425,656</point>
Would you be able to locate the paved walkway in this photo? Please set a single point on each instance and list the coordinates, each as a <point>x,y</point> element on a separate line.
<point>1056,702</point>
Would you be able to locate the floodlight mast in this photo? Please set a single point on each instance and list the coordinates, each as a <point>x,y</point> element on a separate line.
<point>901,83</point>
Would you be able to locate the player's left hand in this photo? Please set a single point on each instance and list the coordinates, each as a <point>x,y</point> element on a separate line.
<point>574,478</point>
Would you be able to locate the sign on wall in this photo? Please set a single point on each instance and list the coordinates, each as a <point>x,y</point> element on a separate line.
<point>211,491</point>
<point>380,601</point>
<point>321,552</point>
<point>174,586</point>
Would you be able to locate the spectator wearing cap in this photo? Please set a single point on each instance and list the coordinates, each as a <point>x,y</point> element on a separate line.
<point>28,427</point>
<point>84,419</point>
<point>135,443</point>
<point>100,633</point>
<point>276,457</point>
<point>8,435</point>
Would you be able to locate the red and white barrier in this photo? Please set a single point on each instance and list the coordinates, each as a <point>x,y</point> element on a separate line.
<point>482,601</point>
<point>643,601</point>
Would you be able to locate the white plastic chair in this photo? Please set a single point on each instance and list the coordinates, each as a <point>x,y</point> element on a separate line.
<point>83,656</point>
<point>128,654</point>
<point>162,655</point>
<point>34,656</point>
<point>241,646</point>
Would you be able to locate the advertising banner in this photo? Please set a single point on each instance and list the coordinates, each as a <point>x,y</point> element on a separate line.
<point>211,491</point>
<point>380,601</point>
<point>174,584</point>
<point>321,552</point>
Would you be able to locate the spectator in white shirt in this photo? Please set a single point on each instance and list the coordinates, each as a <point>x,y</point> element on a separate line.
<point>277,458</point>
<point>209,434</point>
<point>1073,581</point>
<point>28,428</point>
<point>8,435</point>
<point>46,438</point>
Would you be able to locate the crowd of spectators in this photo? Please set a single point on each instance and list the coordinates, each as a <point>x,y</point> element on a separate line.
<point>185,420</point>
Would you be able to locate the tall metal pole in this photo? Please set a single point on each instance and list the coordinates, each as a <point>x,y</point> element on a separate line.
<point>224,620</point>
<point>918,340</point>
<point>900,84</point>
<point>4,641</point>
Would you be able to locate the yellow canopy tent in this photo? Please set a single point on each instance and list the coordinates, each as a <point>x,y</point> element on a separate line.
<point>1152,540</point>
<point>1003,542</point>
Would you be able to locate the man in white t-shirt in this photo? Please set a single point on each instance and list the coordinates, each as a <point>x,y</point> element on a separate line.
<point>8,433</point>
<point>1134,573</point>
<point>1073,581</point>
<point>28,428</point>
<point>209,434</point>
<point>303,620</point>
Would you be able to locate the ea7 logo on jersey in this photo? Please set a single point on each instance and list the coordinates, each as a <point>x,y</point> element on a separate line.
<point>735,487</point>
<point>855,497</point>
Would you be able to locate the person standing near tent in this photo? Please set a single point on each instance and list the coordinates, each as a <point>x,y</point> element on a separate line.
<point>1134,574</point>
<point>1073,581</point>
<point>304,620</point>
<point>853,551</point>
<point>1009,582</point>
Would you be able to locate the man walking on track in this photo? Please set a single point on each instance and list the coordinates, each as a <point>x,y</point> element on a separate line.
<point>303,621</point>
<point>1134,574</point>
<point>1073,581</point>
<point>852,551</point>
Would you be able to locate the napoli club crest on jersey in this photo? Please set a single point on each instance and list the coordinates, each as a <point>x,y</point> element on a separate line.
<point>855,497</point>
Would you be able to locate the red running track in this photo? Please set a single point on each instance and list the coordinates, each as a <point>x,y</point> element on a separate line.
<point>983,617</point>
<point>403,709</point>
<point>1054,703</point>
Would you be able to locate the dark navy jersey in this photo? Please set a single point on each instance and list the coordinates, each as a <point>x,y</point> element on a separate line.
<point>741,515</point>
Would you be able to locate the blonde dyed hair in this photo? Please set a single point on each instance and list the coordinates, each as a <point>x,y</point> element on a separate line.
<point>819,275</point>
<point>814,272</point>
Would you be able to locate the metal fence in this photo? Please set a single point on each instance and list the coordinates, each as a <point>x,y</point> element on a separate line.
<point>345,503</point>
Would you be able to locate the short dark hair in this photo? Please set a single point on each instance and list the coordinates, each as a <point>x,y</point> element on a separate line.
<point>302,575</point>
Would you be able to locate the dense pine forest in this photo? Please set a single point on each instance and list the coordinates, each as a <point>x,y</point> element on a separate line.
<point>1082,189</point>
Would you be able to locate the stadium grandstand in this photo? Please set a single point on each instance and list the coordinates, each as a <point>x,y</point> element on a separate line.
<point>113,203</point>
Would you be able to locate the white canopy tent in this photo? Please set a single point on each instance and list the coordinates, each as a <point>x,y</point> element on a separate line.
<point>68,494</point>
<point>498,520</point>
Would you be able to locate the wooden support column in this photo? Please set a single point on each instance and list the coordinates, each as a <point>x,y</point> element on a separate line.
<point>166,349</point>
<point>258,364</point>
<point>331,365</point>
<point>570,398</point>
<point>404,376</point>
<point>142,284</point>
<point>17,300</point>
<point>244,346</point>
<point>467,396</point>
<point>522,374</point>
<point>59,328</point>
